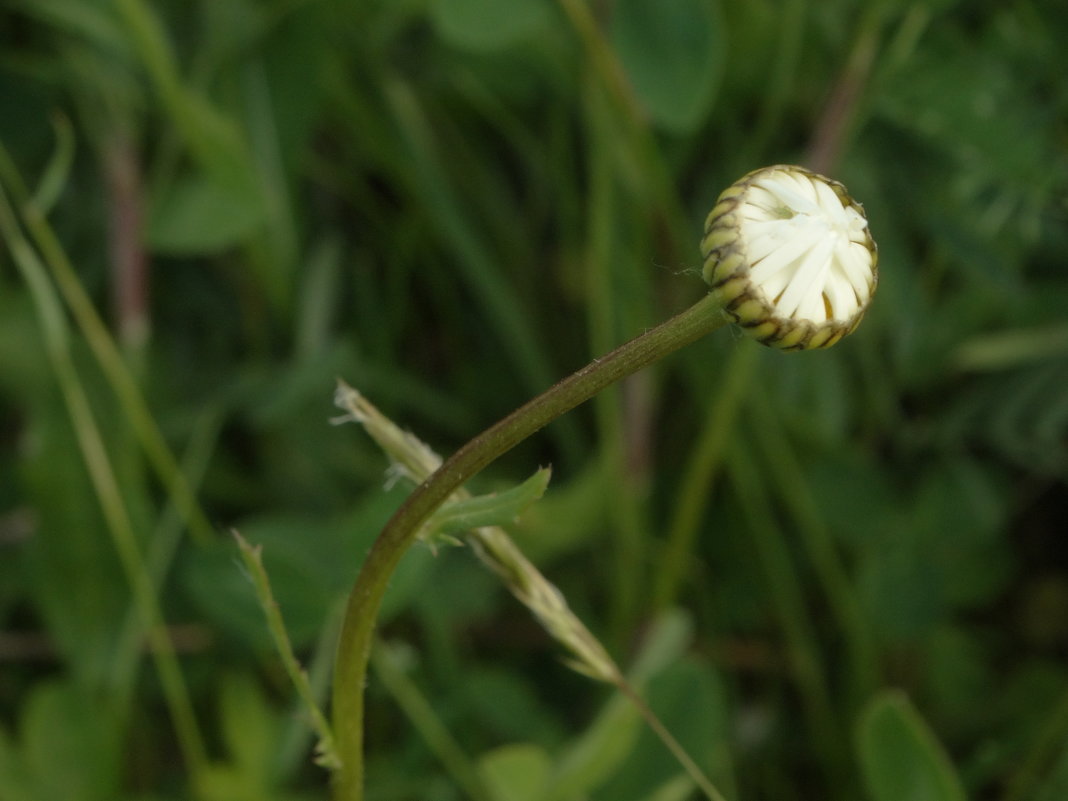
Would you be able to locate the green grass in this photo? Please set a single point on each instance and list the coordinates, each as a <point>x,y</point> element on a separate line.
<point>836,575</point>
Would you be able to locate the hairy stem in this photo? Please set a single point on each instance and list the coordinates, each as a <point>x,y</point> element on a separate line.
<point>399,533</point>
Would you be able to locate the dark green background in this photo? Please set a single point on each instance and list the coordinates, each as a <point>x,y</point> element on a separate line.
<point>451,204</point>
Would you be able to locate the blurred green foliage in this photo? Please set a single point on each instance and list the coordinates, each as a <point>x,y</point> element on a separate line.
<point>452,203</point>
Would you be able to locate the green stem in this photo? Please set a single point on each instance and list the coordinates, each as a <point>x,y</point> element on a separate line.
<point>673,745</point>
<point>326,755</point>
<point>108,356</point>
<point>57,341</point>
<point>399,533</point>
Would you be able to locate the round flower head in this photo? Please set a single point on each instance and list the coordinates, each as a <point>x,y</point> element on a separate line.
<point>789,255</point>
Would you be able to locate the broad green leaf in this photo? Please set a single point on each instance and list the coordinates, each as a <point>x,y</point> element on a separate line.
<point>310,563</point>
<point>508,706</point>
<point>497,509</point>
<point>1055,785</point>
<point>957,670</point>
<point>516,772</point>
<point>690,700</point>
<point>678,788</point>
<point>487,24</point>
<point>297,558</point>
<point>202,216</point>
<point>249,728</point>
<point>73,575</point>
<point>974,111</point>
<point>664,644</point>
<point>673,52</point>
<point>71,745</point>
<point>899,755</point>
<point>598,754</point>
<point>13,782</point>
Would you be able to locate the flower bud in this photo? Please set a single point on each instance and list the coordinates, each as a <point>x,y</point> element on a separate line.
<point>789,255</point>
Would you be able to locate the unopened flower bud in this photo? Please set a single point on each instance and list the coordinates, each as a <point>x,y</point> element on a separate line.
<point>789,255</point>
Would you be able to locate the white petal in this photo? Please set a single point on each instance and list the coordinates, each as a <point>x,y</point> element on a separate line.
<point>807,281</point>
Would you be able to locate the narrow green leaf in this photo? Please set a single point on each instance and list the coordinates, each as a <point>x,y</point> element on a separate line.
<point>95,22</point>
<point>249,728</point>
<point>516,772</point>
<point>54,178</point>
<point>678,788</point>
<point>900,757</point>
<point>497,509</point>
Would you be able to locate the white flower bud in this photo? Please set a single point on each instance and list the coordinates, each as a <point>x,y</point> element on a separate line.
<point>789,255</point>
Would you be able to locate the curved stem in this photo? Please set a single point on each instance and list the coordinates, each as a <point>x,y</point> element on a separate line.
<point>365,598</point>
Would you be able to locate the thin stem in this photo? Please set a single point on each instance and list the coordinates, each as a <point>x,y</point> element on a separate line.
<point>161,547</point>
<point>622,418</point>
<point>326,755</point>
<point>129,259</point>
<point>841,109</point>
<point>108,356</point>
<point>120,377</point>
<point>366,596</point>
<point>605,62</point>
<point>673,745</point>
<point>56,334</point>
